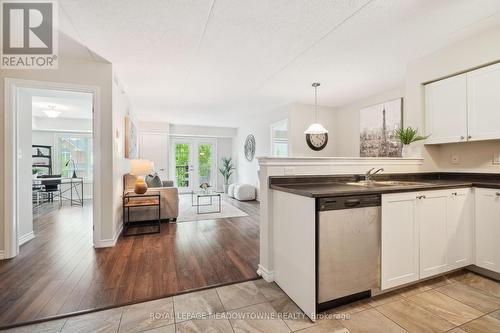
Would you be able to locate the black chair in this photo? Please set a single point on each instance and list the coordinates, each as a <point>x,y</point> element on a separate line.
<point>52,186</point>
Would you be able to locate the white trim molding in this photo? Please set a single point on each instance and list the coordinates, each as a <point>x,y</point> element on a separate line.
<point>109,242</point>
<point>26,238</point>
<point>343,161</point>
<point>265,273</point>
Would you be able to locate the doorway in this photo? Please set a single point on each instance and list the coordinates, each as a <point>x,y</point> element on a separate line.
<point>47,146</point>
<point>193,163</point>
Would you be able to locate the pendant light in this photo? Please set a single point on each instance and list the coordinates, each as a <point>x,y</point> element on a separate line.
<point>316,128</point>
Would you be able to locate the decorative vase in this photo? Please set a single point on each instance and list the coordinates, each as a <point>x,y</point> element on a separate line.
<point>409,151</point>
<point>226,187</point>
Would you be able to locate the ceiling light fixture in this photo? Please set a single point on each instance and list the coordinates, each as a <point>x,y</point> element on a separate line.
<point>51,112</point>
<point>316,128</point>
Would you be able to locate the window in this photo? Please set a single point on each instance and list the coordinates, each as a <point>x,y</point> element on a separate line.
<point>279,138</point>
<point>77,147</point>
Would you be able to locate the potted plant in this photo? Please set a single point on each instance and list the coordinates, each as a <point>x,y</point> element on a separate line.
<point>407,136</point>
<point>226,170</point>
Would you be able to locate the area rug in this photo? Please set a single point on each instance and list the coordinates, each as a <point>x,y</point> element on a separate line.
<point>187,212</point>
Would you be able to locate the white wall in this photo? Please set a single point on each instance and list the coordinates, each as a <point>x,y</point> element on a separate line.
<point>203,131</point>
<point>346,133</point>
<point>121,165</point>
<point>246,171</point>
<point>76,66</point>
<point>62,124</point>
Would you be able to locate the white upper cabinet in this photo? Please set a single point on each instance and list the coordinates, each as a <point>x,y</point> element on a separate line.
<point>487,227</point>
<point>483,103</point>
<point>446,110</point>
<point>464,107</point>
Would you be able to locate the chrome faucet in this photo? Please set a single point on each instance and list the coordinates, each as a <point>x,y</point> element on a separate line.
<point>369,173</point>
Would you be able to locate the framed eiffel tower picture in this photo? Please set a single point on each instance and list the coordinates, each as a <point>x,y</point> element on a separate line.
<point>377,126</point>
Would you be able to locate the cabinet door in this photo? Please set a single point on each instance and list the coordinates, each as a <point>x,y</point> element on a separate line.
<point>431,217</point>
<point>446,110</point>
<point>460,217</point>
<point>483,97</point>
<point>154,147</point>
<point>487,227</point>
<point>399,240</point>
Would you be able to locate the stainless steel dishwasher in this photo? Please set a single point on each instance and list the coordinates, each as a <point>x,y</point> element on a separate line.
<point>348,258</point>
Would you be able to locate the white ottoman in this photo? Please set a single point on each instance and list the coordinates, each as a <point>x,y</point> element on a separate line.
<point>244,192</point>
<point>230,190</point>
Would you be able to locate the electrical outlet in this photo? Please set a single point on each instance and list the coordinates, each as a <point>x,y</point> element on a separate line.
<point>496,158</point>
<point>455,159</point>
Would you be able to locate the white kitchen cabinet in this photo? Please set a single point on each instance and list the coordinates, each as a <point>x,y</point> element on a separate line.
<point>460,227</point>
<point>446,110</point>
<point>425,233</point>
<point>433,243</point>
<point>487,228</point>
<point>399,243</point>
<point>483,103</point>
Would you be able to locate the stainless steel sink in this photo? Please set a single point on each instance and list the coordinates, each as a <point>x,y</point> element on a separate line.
<point>382,183</point>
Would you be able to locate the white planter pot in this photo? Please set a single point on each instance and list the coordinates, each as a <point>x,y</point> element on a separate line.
<point>410,151</point>
<point>225,188</point>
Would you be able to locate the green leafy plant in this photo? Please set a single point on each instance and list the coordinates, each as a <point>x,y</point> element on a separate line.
<point>409,135</point>
<point>226,170</point>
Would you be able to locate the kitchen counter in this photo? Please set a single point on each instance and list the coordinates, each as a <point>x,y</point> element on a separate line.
<point>331,186</point>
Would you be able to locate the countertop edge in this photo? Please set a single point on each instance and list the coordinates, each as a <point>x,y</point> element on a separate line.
<point>395,189</point>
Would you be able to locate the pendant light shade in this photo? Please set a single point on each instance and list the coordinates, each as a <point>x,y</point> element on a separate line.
<point>316,127</point>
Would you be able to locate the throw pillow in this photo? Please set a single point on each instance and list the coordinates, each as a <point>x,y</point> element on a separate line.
<point>153,180</point>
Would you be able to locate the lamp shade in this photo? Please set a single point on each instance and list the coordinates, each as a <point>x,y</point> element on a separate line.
<point>140,167</point>
<point>316,128</point>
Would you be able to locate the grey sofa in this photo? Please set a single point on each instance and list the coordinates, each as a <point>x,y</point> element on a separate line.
<point>169,201</point>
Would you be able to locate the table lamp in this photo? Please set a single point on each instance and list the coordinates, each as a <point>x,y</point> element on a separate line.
<point>140,168</point>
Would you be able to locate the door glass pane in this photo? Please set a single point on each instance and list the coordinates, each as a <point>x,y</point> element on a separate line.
<point>182,164</point>
<point>205,152</point>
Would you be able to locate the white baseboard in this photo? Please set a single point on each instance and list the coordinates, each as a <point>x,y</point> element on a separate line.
<point>265,273</point>
<point>2,254</point>
<point>26,238</point>
<point>110,242</point>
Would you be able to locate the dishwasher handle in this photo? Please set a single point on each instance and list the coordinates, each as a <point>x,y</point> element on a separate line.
<point>352,203</point>
<point>349,202</point>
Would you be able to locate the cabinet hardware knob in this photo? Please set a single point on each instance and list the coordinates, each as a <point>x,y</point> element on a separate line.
<point>469,137</point>
<point>454,193</point>
<point>498,194</point>
<point>462,137</point>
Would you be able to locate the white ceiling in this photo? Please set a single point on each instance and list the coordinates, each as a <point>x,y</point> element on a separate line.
<point>222,62</point>
<point>76,105</point>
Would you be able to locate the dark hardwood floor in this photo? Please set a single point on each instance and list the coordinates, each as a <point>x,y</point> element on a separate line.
<point>59,272</point>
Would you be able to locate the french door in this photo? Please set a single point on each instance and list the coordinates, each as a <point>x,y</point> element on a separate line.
<point>193,163</point>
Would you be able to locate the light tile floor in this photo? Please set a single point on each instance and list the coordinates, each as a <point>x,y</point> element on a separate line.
<point>456,303</point>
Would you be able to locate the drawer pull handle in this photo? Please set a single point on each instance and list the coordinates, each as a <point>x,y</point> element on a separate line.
<point>454,193</point>
<point>462,137</point>
<point>421,197</point>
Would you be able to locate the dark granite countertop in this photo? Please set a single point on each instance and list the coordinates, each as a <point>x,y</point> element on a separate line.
<point>331,186</point>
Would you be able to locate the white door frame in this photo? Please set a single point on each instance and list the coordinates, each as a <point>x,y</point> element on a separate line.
<point>194,142</point>
<point>11,204</point>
